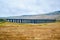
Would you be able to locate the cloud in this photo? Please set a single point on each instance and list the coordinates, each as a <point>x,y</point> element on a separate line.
<point>27,7</point>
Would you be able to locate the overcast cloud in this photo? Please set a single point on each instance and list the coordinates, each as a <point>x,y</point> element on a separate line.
<point>27,7</point>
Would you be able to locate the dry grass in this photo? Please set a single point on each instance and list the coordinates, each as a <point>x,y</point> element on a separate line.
<point>16,31</point>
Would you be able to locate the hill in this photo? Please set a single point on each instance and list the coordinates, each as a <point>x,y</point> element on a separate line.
<point>52,15</point>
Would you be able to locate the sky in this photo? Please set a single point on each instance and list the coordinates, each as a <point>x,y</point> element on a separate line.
<point>27,7</point>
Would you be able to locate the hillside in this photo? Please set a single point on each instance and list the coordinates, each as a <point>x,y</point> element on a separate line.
<point>52,15</point>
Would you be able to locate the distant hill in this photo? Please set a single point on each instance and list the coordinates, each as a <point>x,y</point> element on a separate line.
<point>52,15</point>
<point>55,13</point>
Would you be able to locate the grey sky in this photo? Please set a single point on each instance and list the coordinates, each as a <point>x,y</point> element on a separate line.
<point>27,7</point>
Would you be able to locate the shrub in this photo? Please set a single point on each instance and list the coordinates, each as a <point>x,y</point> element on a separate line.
<point>2,20</point>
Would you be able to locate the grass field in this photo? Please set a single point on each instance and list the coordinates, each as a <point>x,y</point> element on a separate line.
<point>16,31</point>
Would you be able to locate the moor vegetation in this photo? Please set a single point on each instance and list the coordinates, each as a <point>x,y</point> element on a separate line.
<point>16,31</point>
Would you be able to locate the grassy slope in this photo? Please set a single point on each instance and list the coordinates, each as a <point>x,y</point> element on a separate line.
<point>16,31</point>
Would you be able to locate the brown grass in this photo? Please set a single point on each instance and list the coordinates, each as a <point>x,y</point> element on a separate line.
<point>16,31</point>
